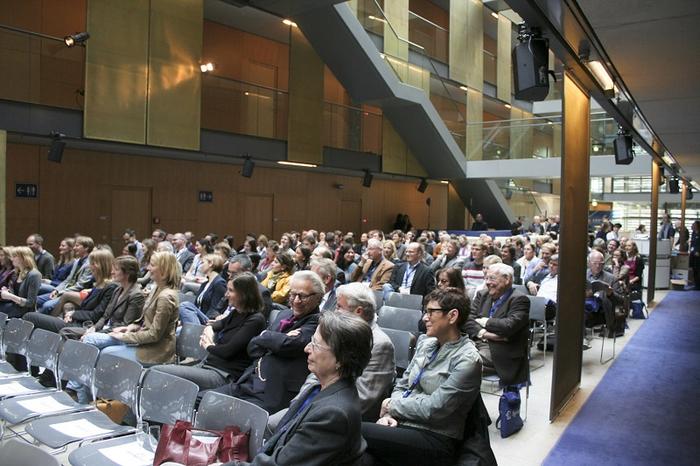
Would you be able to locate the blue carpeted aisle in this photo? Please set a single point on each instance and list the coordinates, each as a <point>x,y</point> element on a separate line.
<point>646,410</point>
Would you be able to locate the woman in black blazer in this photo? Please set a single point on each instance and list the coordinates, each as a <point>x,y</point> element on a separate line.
<point>22,298</point>
<point>324,425</point>
<point>227,338</point>
<point>209,295</point>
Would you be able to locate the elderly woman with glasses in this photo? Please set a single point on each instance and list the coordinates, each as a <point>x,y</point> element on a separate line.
<point>323,426</point>
<point>423,421</point>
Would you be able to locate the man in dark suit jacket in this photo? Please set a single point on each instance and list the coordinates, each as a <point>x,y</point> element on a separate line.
<point>326,269</point>
<point>279,367</point>
<point>184,256</point>
<point>413,275</point>
<point>498,323</point>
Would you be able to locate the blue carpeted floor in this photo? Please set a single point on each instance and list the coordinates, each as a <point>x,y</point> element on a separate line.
<point>646,410</point>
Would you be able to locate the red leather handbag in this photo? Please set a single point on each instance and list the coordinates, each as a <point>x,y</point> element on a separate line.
<point>179,443</point>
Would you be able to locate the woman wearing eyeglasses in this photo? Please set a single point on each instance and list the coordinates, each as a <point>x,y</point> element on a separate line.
<point>423,420</point>
<point>322,427</point>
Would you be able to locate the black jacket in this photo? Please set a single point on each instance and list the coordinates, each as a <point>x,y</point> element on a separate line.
<point>233,334</point>
<point>423,280</point>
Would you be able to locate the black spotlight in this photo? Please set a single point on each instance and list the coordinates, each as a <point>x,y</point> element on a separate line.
<point>623,149</point>
<point>248,167</point>
<point>674,185</point>
<point>56,149</point>
<point>423,185</point>
<point>531,65</point>
<point>77,38</point>
<point>367,180</point>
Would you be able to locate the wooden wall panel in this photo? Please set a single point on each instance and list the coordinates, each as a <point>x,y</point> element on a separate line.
<point>75,196</point>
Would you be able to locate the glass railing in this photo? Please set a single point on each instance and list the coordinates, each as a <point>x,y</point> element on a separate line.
<point>520,139</point>
<point>41,70</point>
<point>603,132</point>
<point>371,16</point>
<point>520,198</point>
<point>243,108</point>
<point>352,128</point>
<point>432,37</point>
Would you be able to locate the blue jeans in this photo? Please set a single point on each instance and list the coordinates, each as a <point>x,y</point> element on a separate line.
<point>190,314</point>
<point>101,340</point>
<point>45,304</point>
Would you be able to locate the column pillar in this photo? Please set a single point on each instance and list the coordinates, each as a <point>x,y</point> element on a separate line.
<point>653,231</point>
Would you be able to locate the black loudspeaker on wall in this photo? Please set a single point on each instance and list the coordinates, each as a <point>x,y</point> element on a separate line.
<point>623,150</point>
<point>531,69</point>
<point>673,186</point>
<point>367,180</point>
<point>423,185</point>
<point>248,167</point>
<point>56,150</point>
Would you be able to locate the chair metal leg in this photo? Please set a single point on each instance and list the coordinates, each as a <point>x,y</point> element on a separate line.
<point>602,345</point>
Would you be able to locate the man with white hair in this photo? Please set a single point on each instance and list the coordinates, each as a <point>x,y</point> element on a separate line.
<point>372,384</point>
<point>498,323</point>
<point>326,269</point>
<point>374,269</point>
<point>605,296</point>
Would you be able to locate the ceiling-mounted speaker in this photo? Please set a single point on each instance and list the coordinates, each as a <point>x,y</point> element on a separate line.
<point>248,167</point>
<point>56,150</point>
<point>623,149</point>
<point>531,69</point>
<point>423,185</point>
<point>367,180</point>
<point>674,185</point>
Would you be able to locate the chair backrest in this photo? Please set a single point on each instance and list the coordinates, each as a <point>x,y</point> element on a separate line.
<point>3,321</point>
<point>18,453</point>
<point>42,349</point>
<point>406,301</point>
<point>522,288</point>
<point>166,398</point>
<point>217,411</point>
<point>77,362</point>
<point>273,315</point>
<point>117,379</point>
<point>404,344</point>
<point>537,307</point>
<point>187,342</point>
<point>399,318</point>
<point>16,336</point>
<point>379,299</point>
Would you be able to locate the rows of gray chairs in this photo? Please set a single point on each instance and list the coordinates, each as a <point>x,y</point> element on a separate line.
<point>27,408</point>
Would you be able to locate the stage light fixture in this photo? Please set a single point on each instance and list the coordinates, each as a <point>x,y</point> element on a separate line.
<point>367,180</point>
<point>75,39</point>
<point>423,185</point>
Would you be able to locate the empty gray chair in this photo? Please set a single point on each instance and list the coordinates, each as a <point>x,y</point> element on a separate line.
<point>406,301</point>
<point>20,453</point>
<point>164,399</point>
<point>115,379</point>
<point>522,288</point>
<point>187,343</point>
<point>538,319</point>
<point>15,339</point>
<point>42,351</point>
<point>217,411</point>
<point>404,344</point>
<point>3,321</point>
<point>400,318</point>
<point>76,362</point>
<point>379,299</point>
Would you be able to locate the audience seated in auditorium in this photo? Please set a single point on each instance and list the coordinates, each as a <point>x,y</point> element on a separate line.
<point>322,427</point>
<point>226,339</point>
<point>208,296</point>
<point>184,256</point>
<point>635,264</point>
<point>346,261</point>
<point>22,297</point>
<point>473,270</point>
<point>373,268</point>
<point>412,276</point>
<point>537,270</point>
<point>279,362</point>
<point>498,324</point>
<point>79,277</point>
<point>326,270</point>
<point>424,419</point>
<point>277,280</point>
<point>450,257</point>
<point>549,285</point>
<point>508,257</point>
<point>271,251</point>
<point>194,276</point>
<point>7,270</point>
<point>44,259</point>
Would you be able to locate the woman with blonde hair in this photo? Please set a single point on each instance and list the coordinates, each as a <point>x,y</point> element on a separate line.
<point>100,261</point>
<point>389,251</point>
<point>152,340</point>
<point>22,298</point>
<point>7,271</point>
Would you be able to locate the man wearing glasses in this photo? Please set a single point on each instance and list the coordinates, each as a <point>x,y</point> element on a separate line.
<point>279,363</point>
<point>498,324</point>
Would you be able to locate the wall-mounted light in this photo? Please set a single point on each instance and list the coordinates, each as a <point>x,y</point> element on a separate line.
<point>494,14</point>
<point>464,88</point>
<point>601,75</point>
<point>668,159</point>
<point>289,22</point>
<point>206,67</point>
<point>374,18</point>
<point>77,38</point>
<point>508,106</point>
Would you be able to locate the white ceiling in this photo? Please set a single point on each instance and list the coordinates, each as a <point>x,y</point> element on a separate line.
<point>655,46</point>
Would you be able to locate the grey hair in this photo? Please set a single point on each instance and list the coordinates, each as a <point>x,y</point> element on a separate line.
<point>309,276</point>
<point>358,295</point>
<point>326,268</point>
<point>242,259</point>
<point>165,246</point>
<point>374,243</point>
<point>350,340</point>
<point>503,270</point>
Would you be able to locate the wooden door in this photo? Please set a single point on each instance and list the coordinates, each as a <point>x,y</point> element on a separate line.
<point>131,208</point>
<point>351,216</point>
